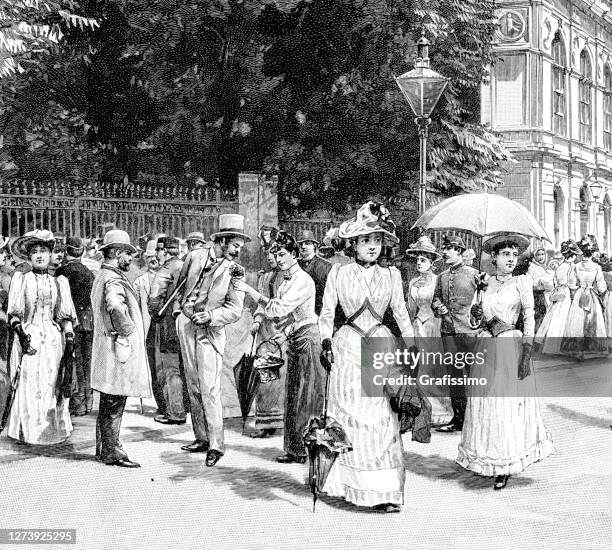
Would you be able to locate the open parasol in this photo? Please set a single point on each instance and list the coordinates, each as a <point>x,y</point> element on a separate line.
<point>325,439</point>
<point>247,381</point>
<point>482,214</point>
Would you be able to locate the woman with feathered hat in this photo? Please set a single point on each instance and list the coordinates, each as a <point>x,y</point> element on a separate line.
<point>41,313</point>
<point>503,432</point>
<point>585,330</point>
<point>372,474</point>
<point>552,328</point>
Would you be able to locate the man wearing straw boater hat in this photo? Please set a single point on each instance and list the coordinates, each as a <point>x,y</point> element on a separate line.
<point>205,303</point>
<point>453,298</point>
<point>119,357</point>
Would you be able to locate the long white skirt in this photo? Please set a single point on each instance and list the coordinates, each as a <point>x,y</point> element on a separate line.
<point>553,325</point>
<point>373,472</point>
<point>503,435</point>
<point>36,414</point>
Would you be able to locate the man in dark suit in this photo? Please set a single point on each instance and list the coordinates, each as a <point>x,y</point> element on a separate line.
<point>453,297</point>
<point>169,368</point>
<point>314,265</point>
<point>81,281</point>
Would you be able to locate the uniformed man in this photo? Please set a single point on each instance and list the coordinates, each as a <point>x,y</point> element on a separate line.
<point>454,295</point>
<point>314,265</point>
<point>168,370</point>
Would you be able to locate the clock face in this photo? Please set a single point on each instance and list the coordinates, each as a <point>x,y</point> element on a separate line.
<point>511,25</point>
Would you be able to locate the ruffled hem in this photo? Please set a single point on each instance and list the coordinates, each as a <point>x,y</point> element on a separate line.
<point>361,497</point>
<point>490,467</point>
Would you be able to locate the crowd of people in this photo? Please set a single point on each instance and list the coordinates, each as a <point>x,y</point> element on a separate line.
<point>128,321</point>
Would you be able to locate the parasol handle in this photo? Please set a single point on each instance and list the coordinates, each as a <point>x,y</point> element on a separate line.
<point>325,399</point>
<point>254,341</point>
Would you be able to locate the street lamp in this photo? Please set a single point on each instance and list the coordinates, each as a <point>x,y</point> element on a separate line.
<point>422,88</point>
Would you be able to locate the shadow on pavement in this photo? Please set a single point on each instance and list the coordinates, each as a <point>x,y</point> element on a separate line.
<point>438,467</point>
<point>67,451</point>
<point>247,483</point>
<point>584,419</point>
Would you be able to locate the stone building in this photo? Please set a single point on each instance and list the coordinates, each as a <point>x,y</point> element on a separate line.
<point>550,96</point>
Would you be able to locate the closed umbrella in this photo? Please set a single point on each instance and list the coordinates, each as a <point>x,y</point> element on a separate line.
<point>247,380</point>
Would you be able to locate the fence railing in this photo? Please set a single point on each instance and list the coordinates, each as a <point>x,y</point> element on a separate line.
<point>137,209</point>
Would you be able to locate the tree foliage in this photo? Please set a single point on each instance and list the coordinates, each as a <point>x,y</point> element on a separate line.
<point>199,90</point>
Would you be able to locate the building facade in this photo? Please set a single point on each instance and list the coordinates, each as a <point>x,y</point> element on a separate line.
<point>550,96</point>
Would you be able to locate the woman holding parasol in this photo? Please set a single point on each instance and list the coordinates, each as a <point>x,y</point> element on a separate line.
<point>373,473</point>
<point>503,432</point>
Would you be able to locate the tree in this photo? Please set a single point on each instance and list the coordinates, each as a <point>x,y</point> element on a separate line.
<point>347,131</point>
<point>41,131</point>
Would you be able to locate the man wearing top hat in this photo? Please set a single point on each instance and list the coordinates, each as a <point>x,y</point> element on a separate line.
<point>80,280</point>
<point>205,303</point>
<point>314,265</point>
<point>119,357</point>
<point>453,297</point>
<point>169,369</point>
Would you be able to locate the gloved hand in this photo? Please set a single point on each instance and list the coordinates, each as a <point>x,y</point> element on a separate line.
<point>69,348</point>
<point>524,368</point>
<point>24,339</point>
<point>327,355</point>
<point>476,312</point>
<point>255,327</point>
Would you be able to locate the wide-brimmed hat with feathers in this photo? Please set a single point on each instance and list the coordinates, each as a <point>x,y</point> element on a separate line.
<point>372,217</point>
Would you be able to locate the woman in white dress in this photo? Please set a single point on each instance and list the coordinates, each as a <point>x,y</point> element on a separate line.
<point>42,314</point>
<point>372,474</point>
<point>585,330</point>
<point>553,325</point>
<point>426,325</point>
<point>542,284</point>
<point>503,432</point>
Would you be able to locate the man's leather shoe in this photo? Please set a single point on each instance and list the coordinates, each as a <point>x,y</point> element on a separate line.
<point>212,457</point>
<point>260,434</point>
<point>289,458</point>
<point>500,482</point>
<point>125,463</point>
<point>196,447</point>
<point>165,420</point>
<point>388,508</point>
<point>448,428</point>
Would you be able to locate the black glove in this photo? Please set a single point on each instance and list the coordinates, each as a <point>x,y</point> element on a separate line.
<point>476,312</point>
<point>69,348</point>
<point>24,338</point>
<point>327,355</point>
<point>524,369</point>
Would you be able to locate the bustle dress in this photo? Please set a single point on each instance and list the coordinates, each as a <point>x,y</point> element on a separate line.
<point>552,329</point>
<point>373,472</point>
<point>585,330</point>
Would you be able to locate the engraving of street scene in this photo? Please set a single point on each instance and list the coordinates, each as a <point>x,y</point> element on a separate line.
<point>305,273</point>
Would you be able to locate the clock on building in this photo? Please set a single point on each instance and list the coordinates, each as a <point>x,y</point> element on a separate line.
<point>511,25</point>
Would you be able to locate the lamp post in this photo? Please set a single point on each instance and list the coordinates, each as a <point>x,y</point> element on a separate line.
<point>422,88</point>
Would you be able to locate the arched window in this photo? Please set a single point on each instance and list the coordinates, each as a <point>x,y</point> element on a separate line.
<point>584,97</point>
<point>607,108</point>
<point>558,84</point>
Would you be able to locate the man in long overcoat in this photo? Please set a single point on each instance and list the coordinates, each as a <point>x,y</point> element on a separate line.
<point>169,368</point>
<point>119,357</point>
<point>314,265</point>
<point>207,303</point>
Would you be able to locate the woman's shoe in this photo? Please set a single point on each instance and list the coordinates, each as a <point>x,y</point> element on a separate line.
<point>500,482</point>
<point>388,508</point>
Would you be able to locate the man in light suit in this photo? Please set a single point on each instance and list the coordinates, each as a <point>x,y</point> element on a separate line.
<point>205,304</point>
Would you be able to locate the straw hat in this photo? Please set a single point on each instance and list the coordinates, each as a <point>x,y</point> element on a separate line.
<point>196,236</point>
<point>423,246</point>
<point>521,242</point>
<point>370,218</point>
<point>38,236</point>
